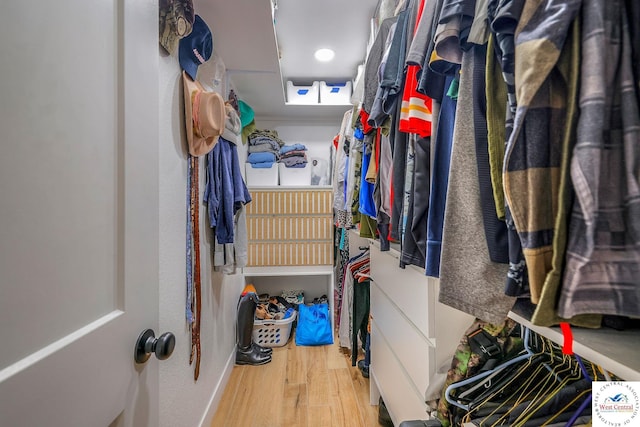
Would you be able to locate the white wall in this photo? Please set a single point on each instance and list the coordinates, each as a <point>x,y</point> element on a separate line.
<point>184,402</point>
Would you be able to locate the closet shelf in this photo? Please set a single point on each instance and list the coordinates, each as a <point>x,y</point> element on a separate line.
<point>293,270</point>
<point>614,351</point>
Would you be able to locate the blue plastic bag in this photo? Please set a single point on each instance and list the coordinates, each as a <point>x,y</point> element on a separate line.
<point>314,325</point>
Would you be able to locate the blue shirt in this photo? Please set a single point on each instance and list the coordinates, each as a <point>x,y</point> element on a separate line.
<point>225,190</point>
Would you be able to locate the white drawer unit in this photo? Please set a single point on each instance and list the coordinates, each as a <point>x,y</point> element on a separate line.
<point>412,336</point>
<point>393,382</point>
<point>406,288</point>
<point>401,335</point>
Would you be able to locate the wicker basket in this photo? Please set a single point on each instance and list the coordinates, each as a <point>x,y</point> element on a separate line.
<point>273,333</point>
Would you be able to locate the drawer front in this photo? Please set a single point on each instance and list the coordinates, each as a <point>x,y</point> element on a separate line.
<point>291,202</point>
<point>266,254</point>
<point>262,228</point>
<point>408,288</point>
<point>452,325</point>
<point>412,349</point>
<point>401,398</point>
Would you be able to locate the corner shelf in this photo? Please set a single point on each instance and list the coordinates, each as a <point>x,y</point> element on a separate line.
<point>614,351</point>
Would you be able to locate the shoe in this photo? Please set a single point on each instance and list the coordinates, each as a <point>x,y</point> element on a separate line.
<point>251,356</point>
<point>364,369</point>
<point>322,300</point>
<point>261,349</point>
<point>384,419</point>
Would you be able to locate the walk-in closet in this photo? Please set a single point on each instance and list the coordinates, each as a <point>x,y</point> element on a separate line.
<point>295,213</point>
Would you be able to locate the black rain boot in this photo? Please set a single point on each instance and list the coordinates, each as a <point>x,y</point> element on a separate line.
<point>247,354</point>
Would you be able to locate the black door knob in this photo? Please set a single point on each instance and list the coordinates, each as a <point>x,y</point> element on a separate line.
<point>147,343</point>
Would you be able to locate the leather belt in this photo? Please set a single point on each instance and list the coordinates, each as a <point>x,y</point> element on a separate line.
<point>194,236</point>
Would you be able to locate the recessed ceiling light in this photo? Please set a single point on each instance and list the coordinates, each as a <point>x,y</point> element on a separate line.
<point>324,55</point>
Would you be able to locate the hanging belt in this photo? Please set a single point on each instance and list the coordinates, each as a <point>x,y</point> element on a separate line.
<point>189,305</point>
<point>194,219</point>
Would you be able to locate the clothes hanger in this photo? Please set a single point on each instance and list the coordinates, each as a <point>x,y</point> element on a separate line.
<point>521,391</point>
<point>533,381</point>
<point>540,379</point>
<point>532,368</point>
<point>574,370</point>
<point>545,394</point>
<point>567,406</point>
<point>563,371</point>
<point>586,401</point>
<point>523,357</point>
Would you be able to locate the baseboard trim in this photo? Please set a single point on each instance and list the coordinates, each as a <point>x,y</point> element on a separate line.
<point>212,406</point>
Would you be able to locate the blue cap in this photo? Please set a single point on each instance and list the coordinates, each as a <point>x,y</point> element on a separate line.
<point>196,48</point>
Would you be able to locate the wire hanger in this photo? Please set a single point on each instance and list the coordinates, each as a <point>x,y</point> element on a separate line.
<point>528,353</point>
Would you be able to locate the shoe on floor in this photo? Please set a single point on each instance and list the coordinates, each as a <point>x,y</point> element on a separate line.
<point>364,369</point>
<point>384,419</point>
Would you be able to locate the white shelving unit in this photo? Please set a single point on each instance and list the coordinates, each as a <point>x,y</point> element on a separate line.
<point>615,351</point>
<point>313,280</point>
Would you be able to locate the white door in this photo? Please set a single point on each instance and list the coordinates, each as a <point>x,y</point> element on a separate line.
<point>78,212</point>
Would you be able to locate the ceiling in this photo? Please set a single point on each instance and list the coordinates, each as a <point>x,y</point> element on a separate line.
<point>244,37</point>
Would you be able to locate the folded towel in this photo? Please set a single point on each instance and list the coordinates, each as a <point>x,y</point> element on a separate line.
<point>261,157</point>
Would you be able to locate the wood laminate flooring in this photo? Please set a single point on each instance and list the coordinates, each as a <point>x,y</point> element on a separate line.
<point>300,387</point>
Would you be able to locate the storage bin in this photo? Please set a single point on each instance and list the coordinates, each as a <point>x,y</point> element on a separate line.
<point>335,93</point>
<point>273,333</point>
<point>261,177</point>
<point>303,95</point>
<point>294,176</point>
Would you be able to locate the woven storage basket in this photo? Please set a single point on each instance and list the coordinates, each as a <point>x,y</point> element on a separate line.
<point>273,333</point>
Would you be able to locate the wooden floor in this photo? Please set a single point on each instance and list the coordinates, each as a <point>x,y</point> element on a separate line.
<point>301,387</point>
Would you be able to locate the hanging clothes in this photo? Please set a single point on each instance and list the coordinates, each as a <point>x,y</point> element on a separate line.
<point>495,229</point>
<point>342,215</point>
<point>602,273</point>
<point>414,235</point>
<point>440,176</point>
<point>468,280</point>
<point>532,156</point>
<point>356,267</point>
<point>504,17</point>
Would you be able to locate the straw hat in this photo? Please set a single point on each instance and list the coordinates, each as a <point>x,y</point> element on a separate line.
<point>204,116</point>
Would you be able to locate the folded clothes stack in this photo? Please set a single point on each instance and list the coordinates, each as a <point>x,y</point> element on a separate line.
<point>264,148</point>
<point>293,156</point>
<point>262,160</point>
